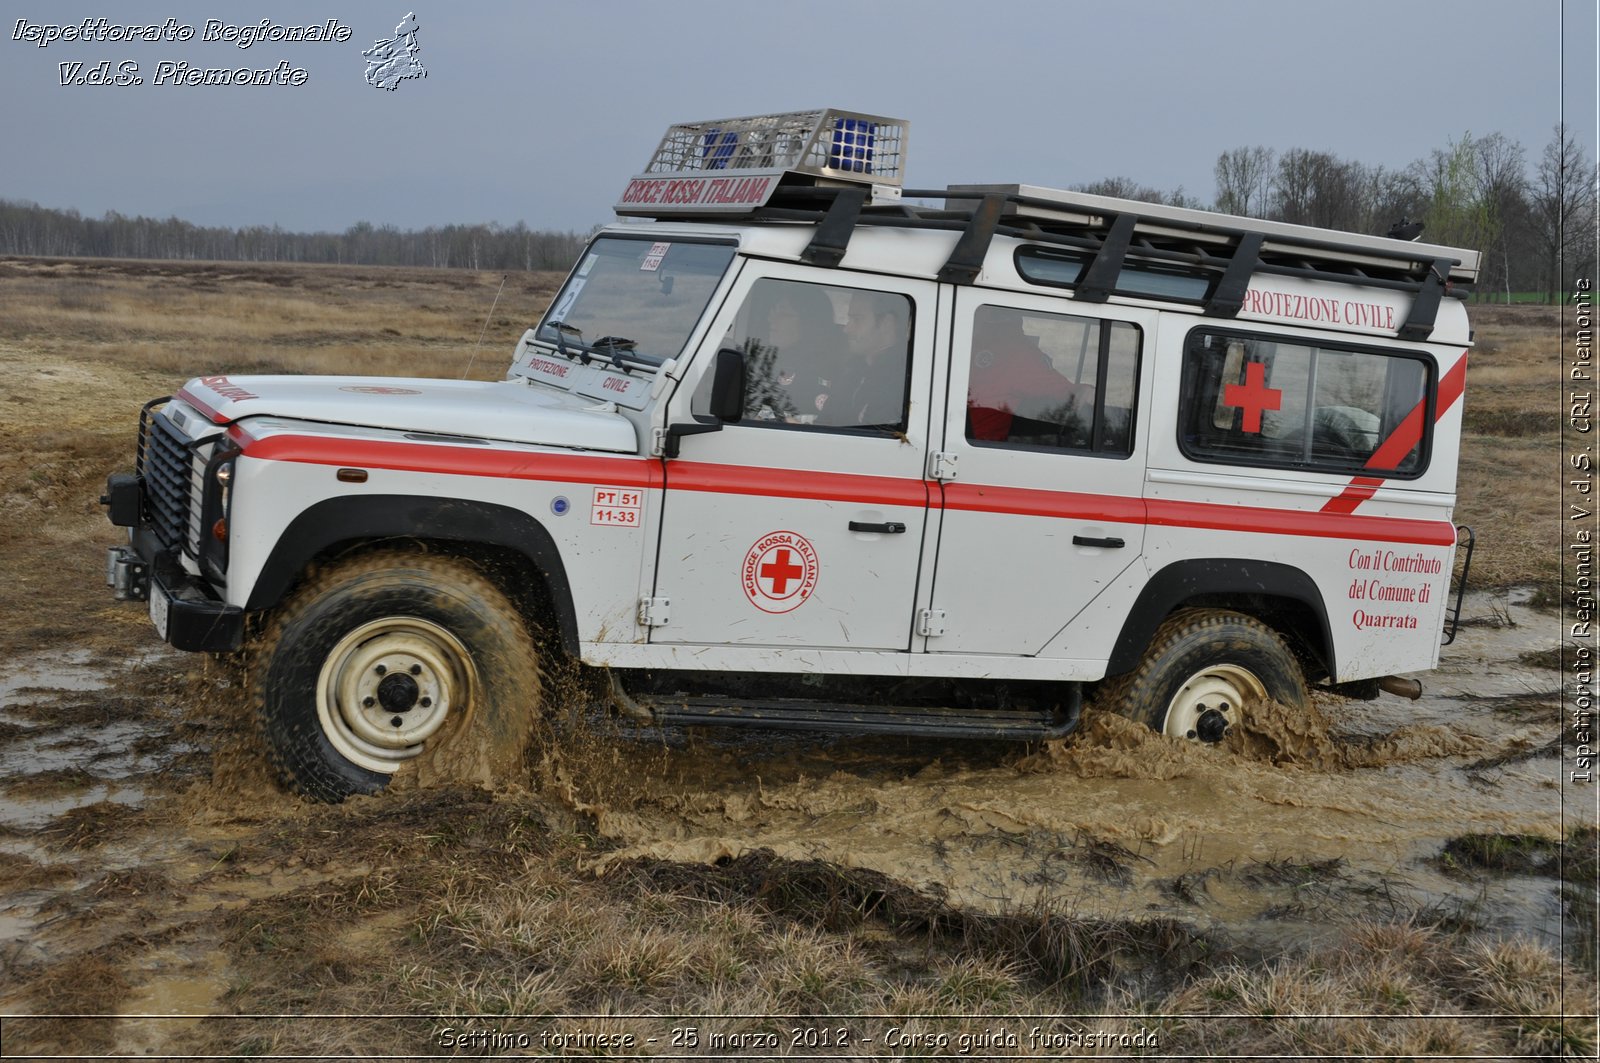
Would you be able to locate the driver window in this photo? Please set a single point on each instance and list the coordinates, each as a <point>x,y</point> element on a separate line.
<point>816,354</point>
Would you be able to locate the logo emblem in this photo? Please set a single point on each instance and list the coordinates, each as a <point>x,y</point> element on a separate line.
<point>779,572</point>
<point>394,60</point>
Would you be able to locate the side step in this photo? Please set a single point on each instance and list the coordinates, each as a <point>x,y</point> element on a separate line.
<point>794,714</point>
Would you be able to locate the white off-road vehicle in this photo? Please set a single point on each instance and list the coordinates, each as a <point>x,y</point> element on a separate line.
<point>807,449</point>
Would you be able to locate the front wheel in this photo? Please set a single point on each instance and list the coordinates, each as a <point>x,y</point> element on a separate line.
<point>1205,672</point>
<point>395,660</point>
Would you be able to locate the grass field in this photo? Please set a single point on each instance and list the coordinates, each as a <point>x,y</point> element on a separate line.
<point>493,917</point>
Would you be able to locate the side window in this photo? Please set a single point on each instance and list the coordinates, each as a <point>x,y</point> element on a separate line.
<point>1255,400</point>
<point>1052,382</point>
<point>822,356</point>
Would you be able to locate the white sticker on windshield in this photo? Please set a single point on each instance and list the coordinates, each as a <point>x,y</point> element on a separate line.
<point>652,261</point>
<point>570,296</point>
<point>588,264</point>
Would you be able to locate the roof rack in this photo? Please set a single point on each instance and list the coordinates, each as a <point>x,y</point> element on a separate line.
<point>1105,233</point>
<point>840,170</point>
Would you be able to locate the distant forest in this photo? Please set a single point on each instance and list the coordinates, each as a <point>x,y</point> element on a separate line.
<point>1534,220</point>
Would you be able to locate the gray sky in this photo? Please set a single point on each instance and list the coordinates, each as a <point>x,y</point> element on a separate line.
<point>540,111</point>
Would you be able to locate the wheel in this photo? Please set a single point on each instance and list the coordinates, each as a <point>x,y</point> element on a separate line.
<point>395,660</point>
<point>1205,671</point>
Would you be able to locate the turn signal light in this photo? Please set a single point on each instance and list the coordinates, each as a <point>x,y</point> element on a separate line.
<point>219,530</point>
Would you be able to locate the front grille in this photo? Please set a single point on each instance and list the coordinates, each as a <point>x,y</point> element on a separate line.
<point>173,475</point>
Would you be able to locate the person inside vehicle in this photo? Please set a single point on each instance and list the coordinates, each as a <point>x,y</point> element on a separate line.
<point>793,344</point>
<point>869,387</point>
<point>1013,389</point>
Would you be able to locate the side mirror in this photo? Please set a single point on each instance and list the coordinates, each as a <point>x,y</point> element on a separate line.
<point>727,386</point>
<point>727,401</point>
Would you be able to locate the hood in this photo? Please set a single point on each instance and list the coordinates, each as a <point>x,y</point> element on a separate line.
<point>505,409</point>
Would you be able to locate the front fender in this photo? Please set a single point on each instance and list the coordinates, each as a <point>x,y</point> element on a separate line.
<point>327,525</point>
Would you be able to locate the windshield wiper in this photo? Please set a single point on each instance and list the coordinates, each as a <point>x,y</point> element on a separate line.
<point>617,350</point>
<point>622,354</point>
<point>561,329</point>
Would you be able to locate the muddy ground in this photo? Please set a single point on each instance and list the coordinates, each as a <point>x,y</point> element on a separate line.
<point>1416,867</point>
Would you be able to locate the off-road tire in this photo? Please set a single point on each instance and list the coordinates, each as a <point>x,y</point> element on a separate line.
<point>1207,660</point>
<point>388,646</point>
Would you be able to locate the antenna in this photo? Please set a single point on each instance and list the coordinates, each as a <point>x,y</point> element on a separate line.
<point>484,331</point>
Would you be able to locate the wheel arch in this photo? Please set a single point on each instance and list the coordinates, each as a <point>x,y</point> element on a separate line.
<point>1281,596</point>
<point>503,536</point>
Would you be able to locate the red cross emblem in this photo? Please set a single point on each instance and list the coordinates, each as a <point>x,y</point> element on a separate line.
<point>779,572</point>
<point>1253,396</point>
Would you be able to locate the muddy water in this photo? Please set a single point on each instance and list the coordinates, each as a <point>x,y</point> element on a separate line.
<point>1283,835</point>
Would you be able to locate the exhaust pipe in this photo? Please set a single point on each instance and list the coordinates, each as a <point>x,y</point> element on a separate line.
<point>1404,688</point>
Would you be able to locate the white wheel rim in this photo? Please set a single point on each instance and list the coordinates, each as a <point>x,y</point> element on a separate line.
<point>1224,689</point>
<point>389,686</point>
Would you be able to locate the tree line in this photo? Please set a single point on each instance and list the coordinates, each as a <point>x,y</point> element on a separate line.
<point>1536,226</point>
<point>29,229</point>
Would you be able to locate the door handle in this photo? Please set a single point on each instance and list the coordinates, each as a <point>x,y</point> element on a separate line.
<point>892,527</point>
<point>1110,541</point>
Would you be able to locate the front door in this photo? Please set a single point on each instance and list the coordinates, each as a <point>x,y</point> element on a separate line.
<point>802,525</point>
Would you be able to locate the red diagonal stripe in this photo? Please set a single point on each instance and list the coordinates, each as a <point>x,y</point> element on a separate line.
<point>1400,442</point>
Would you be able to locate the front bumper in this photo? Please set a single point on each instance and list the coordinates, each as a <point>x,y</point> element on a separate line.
<point>183,610</point>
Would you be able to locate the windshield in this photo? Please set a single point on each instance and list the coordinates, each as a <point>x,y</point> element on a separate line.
<point>647,291</point>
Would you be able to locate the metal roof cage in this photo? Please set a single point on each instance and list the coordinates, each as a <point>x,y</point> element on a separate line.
<point>735,165</point>
<point>829,143</point>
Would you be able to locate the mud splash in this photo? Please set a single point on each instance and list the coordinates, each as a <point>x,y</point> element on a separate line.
<point>1291,829</point>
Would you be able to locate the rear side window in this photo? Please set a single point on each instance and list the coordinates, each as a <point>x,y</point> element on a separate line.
<point>1263,401</point>
<point>1040,381</point>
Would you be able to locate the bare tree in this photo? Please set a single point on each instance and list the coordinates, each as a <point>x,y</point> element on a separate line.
<point>1244,181</point>
<point>1562,211</point>
<point>1499,176</point>
<point>1316,188</point>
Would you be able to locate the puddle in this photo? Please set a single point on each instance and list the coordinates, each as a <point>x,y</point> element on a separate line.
<point>53,761</point>
<point>176,993</point>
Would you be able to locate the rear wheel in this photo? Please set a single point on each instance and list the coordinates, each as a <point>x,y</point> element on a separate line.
<point>1205,672</point>
<point>395,661</point>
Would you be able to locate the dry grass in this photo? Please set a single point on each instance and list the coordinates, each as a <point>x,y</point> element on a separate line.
<point>513,934</point>
<point>453,904</point>
<point>1509,489</point>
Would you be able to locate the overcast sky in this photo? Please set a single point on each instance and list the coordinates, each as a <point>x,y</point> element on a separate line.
<point>540,111</point>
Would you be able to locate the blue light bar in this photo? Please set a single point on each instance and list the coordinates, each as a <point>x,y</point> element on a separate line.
<point>853,142</point>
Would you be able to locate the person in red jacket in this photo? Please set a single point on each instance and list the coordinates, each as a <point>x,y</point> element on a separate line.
<point>1012,379</point>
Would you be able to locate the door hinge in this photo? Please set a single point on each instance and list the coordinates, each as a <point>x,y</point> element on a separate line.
<point>942,465</point>
<point>653,612</point>
<point>930,622</point>
<point>658,442</point>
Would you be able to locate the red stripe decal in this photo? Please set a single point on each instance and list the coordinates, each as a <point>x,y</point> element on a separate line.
<point>1401,440</point>
<point>458,461</point>
<point>786,483</point>
<point>1322,524</point>
<point>206,411</point>
<point>978,498</point>
<point>839,487</point>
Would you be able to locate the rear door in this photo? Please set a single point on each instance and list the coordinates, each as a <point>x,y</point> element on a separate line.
<point>803,524</point>
<point>1046,507</point>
